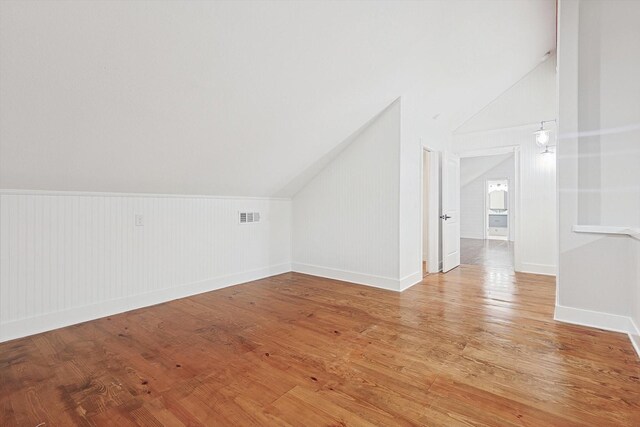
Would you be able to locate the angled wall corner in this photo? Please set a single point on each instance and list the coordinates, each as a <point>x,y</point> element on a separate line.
<point>346,218</point>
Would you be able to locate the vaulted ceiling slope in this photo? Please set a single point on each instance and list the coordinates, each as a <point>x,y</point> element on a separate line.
<point>237,98</point>
<point>532,99</point>
<point>472,168</point>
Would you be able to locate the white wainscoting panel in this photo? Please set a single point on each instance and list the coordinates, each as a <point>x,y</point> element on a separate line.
<point>71,257</point>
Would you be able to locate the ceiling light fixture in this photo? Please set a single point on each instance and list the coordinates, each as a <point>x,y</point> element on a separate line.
<point>542,136</point>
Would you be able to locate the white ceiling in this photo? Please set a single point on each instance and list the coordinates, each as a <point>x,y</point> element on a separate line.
<point>237,98</point>
<point>472,168</point>
<point>532,99</point>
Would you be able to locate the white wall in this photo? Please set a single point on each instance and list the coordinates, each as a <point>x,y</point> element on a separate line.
<point>473,194</point>
<point>598,158</point>
<point>215,98</point>
<point>67,257</point>
<point>346,219</point>
<point>476,166</point>
<point>532,98</point>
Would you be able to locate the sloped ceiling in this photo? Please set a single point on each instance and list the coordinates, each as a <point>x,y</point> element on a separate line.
<point>237,98</point>
<point>532,99</point>
<point>472,168</point>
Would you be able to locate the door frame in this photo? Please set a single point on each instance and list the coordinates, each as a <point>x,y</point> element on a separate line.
<point>515,219</point>
<point>434,260</point>
<point>486,207</point>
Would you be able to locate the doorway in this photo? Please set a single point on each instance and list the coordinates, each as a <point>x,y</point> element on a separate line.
<point>431,261</point>
<point>425,211</point>
<point>426,158</point>
<point>497,213</point>
<point>487,209</point>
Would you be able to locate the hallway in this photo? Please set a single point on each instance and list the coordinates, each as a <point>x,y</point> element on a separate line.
<point>491,253</point>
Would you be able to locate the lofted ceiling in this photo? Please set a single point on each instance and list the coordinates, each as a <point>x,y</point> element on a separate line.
<point>237,98</point>
<point>472,168</point>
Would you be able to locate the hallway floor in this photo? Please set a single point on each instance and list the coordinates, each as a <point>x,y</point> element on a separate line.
<point>491,253</point>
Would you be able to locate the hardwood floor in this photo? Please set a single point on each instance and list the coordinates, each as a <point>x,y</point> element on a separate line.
<point>491,253</point>
<point>475,346</point>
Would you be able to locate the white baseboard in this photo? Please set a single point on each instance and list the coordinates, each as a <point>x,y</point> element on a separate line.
<point>635,342</point>
<point>594,319</point>
<point>635,337</point>
<point>529,267</point>
<point>382,282</point>
<point>410,280</point>
<point>473,237</point>
<point>47,322</point>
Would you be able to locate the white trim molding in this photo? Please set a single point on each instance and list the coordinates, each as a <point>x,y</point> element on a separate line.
<point>594,319</point>
<point>529,267</point>
<point>634,336</point>
<point>633,232</point>
<point>534,125</point>
<point>388,283</point>
<point>410,280</point>
<point>635,342</point>
<point>69,257</point>
<point>493,151</point>
<point>28,192</point>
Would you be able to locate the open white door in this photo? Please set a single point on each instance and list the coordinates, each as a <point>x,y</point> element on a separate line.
<point>450,217</point>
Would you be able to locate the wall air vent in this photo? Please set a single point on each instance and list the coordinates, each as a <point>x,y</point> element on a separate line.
<point>248,217</point>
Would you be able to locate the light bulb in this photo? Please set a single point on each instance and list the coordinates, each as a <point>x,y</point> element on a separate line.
<point>542,137</point>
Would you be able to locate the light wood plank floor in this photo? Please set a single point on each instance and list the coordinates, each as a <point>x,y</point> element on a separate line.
<point>491,253</point>
<point>475,346</point>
